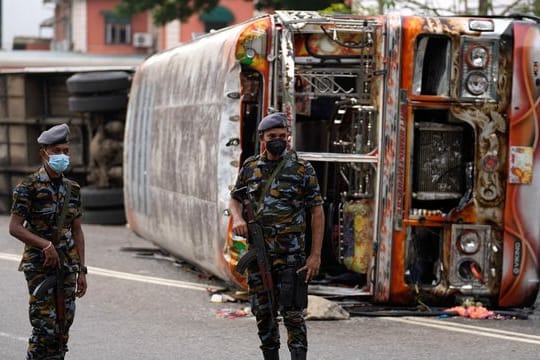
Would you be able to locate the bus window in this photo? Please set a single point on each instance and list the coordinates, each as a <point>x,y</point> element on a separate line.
<point>432,66</point>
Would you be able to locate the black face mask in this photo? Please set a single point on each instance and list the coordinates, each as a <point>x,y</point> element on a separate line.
<point>276,146</point>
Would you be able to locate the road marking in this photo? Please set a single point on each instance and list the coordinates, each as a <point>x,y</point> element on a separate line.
<point>13,337</point>
<point>133,277</point>
<point>150,279</point>
<point>480,328</point>
<point>12,257</point>
<point>465,329</point>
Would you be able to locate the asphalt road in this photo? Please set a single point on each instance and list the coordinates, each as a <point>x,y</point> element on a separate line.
<point>147,308</point>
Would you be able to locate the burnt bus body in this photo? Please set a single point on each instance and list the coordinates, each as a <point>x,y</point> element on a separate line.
<point>423,132</point>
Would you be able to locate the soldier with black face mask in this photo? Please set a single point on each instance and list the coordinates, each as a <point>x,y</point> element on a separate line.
<point>281,188</point>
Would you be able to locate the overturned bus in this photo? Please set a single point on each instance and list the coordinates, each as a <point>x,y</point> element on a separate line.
<point>424,133</point>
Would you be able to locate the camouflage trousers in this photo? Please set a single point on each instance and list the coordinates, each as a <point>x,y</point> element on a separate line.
<point>292,313</point>
<point>45,343</point>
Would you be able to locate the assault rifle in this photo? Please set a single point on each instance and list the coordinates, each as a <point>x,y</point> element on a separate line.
<point>257,252</point>
<point>60,274</point>
<point>57,280</point>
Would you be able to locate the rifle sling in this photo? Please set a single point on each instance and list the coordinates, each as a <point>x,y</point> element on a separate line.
<point>59,293</point>
<point>260,204</point>
<point>60,219</point>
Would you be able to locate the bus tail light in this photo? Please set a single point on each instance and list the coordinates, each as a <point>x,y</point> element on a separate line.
<point>469,242</point>
<point>469,258</point>
<point>479,69</point>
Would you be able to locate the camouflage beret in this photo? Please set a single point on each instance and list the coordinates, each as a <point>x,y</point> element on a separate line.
<point>273,121</point>
<point>58,134</point>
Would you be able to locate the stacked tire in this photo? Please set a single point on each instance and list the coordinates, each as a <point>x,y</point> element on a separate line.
<point>103,206</point>
<point>102,91</point>
<point>102,97</point>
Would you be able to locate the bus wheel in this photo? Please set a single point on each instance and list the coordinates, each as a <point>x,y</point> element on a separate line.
<point>98,103</point>
<point>94,82</point>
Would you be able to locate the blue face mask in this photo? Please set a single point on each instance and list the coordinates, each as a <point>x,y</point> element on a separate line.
<point>58,163</point>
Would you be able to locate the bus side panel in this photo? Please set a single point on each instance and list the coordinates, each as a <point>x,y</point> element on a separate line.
<point>256,38</point>
<point>228,163</point>
<point>522,229</point>
<point>137,148</point>
<point>389,151</point>
<point>177,151</point>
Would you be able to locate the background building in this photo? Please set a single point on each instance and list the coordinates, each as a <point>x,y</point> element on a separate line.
<point>92,26</point>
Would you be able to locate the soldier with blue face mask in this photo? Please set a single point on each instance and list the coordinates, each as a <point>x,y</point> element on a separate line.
<point>46,217</point>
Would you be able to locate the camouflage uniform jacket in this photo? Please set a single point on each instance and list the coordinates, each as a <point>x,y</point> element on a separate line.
<point>282,210</point>
<point>39,200</point>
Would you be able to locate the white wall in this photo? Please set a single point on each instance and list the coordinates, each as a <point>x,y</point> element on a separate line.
<point>22,18</point>
<point>172,34</point>
<point>79,25</point>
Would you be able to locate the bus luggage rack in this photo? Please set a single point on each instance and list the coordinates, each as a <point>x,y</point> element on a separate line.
<point>336,82</point>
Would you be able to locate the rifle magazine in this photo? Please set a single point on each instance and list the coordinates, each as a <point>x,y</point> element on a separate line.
<point>245,260</point>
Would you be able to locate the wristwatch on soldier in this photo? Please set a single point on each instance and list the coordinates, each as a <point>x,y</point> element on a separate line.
<point>83,269</point>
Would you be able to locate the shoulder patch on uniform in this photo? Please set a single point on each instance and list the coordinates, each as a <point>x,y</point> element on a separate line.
<point>73,183</point>
<point>300,161</point>
<point>29,180</point>
<point>251,159</point>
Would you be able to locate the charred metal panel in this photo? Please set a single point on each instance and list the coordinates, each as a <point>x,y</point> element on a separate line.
<point>136,141</point>
<point>228,153</point>
<point>389,145</point>
<point>178,167</point>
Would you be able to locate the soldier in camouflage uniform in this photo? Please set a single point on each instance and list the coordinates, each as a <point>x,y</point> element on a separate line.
<point>281,211</point>
<point>37,205</point>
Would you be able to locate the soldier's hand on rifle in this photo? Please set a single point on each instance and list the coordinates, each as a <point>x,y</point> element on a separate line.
<point>51,256</point>
<point>313,263</point>
<point>239,227</point>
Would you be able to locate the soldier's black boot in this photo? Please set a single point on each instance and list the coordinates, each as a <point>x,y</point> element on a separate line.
<point>271,354</point>
<point>298,354</point>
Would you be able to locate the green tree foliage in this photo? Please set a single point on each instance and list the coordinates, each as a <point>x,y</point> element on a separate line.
<point>530,7</point>
<point>295,4</point>
<point>164,11</point>
<point>337,8</point>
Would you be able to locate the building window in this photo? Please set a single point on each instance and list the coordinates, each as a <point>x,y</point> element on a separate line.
<point>217,18</point>
<point>117,28</point>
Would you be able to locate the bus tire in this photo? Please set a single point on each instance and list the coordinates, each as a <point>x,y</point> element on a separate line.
<point>104,216</point>
<point>102,198</point>
<point>98,103</point>
<point>94,82</point>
